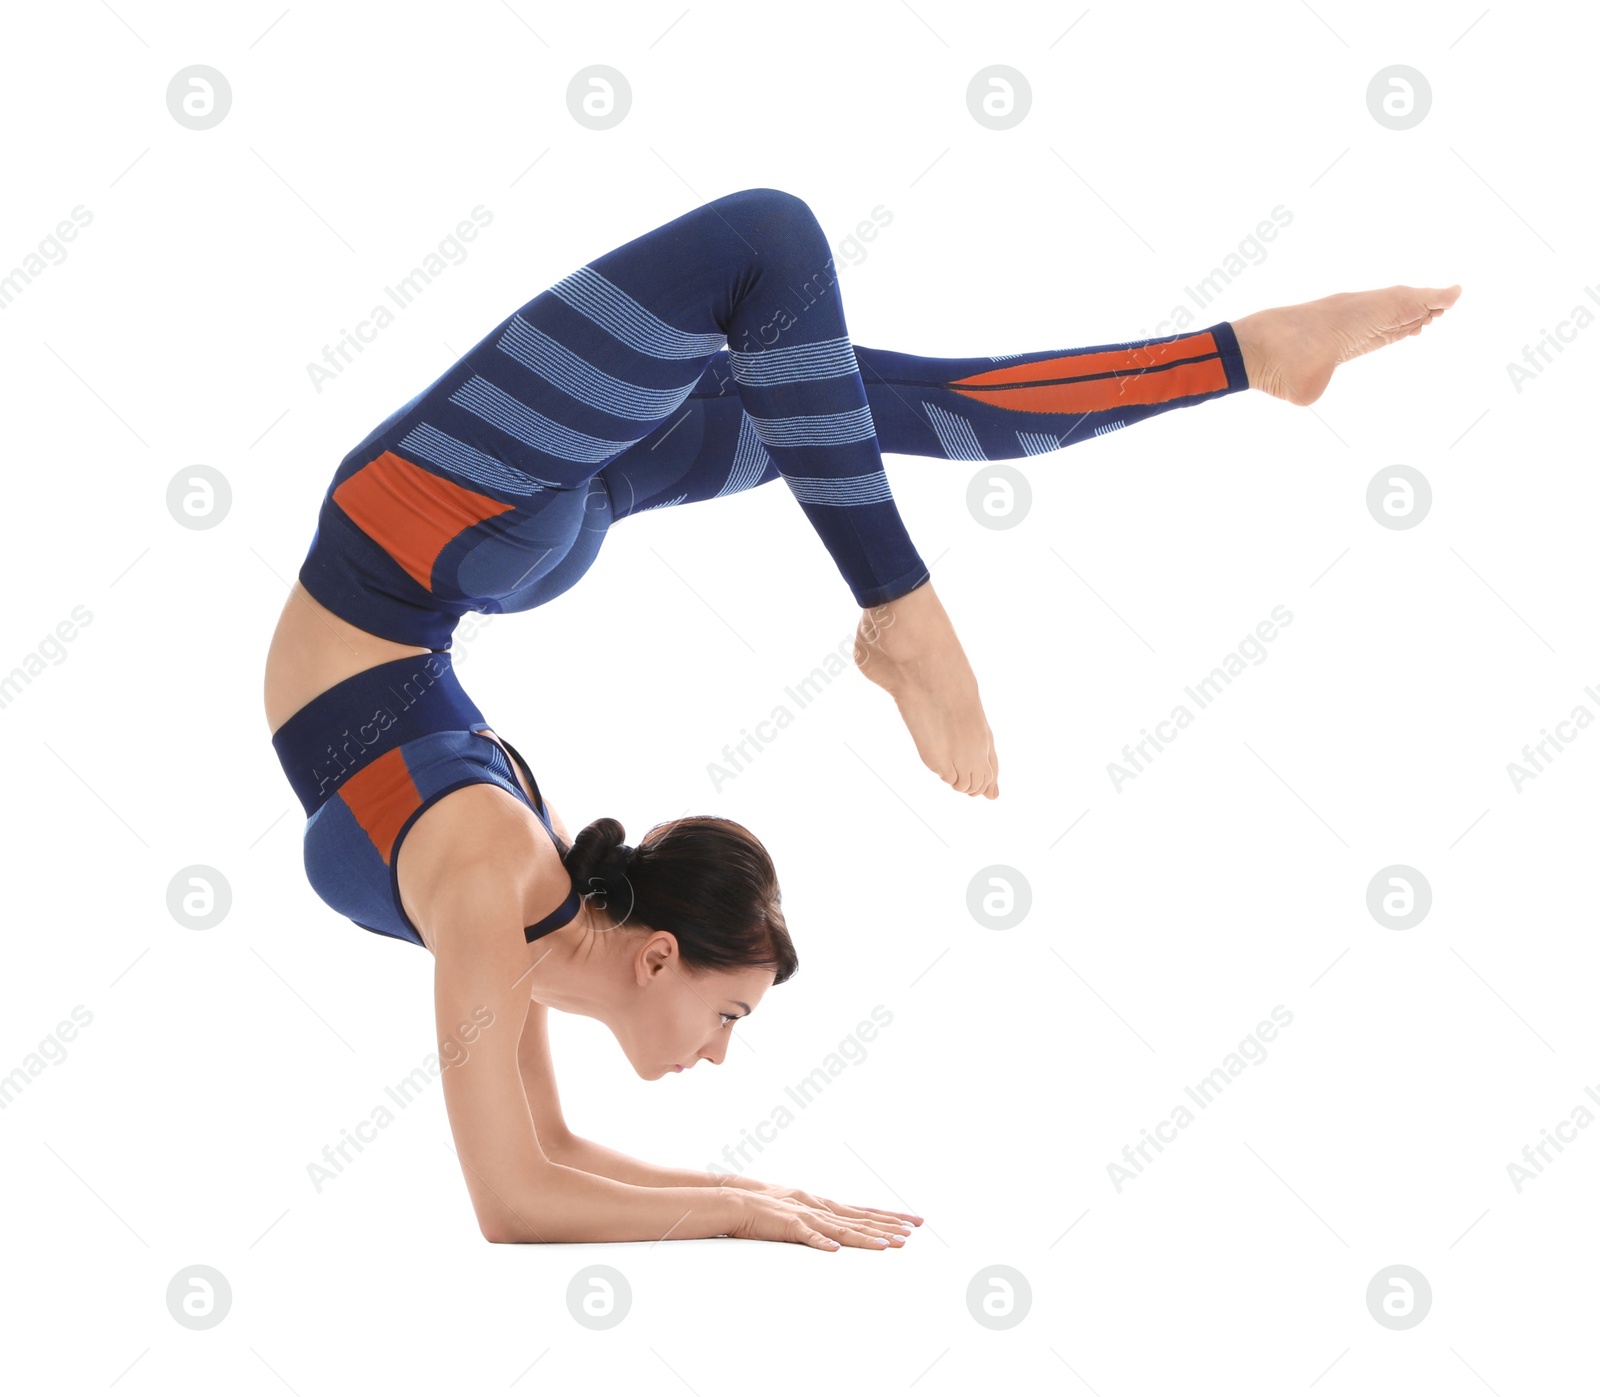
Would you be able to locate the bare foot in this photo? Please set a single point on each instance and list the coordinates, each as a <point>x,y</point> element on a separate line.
<point>909,648</point>
<point>1292,351</point>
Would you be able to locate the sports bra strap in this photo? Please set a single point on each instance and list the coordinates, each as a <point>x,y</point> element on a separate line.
<point>570,904</point>
<point>540,808</point>
<point>557,919</point>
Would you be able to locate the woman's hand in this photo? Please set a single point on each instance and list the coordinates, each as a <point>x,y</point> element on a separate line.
<point>775,1214</point>
<point>843,1209</point>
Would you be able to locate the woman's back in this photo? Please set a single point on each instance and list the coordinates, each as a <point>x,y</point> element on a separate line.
<point>312,650</point>
<point>386,751</point>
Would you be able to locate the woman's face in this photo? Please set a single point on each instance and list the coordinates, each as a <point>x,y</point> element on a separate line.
<point>679,1016</point>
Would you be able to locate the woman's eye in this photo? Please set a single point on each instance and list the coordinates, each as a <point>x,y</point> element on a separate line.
<point>728,1019</point>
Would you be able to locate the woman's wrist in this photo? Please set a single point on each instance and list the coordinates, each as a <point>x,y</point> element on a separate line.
<point>730,1208</point>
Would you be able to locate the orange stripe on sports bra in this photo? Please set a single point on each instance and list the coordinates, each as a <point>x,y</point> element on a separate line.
<point>382,796</point>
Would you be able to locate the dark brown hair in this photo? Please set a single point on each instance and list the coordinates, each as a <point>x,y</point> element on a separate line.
<point>707,880</point>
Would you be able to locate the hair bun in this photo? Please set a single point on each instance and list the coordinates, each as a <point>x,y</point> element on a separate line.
<point>615,862</point>
<point>600,863</point>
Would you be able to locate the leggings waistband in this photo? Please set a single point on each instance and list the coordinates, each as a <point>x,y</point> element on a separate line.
<point>351,725</point>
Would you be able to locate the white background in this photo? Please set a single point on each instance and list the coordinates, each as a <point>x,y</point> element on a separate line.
<point>1225,880</point>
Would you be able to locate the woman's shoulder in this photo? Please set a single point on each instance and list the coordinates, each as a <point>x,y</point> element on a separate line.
<point>479,838</point>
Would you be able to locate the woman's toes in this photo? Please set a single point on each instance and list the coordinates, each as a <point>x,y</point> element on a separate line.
<point>1291,352</point>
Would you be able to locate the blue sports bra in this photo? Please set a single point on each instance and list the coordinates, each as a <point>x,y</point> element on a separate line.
<point>368,757</point>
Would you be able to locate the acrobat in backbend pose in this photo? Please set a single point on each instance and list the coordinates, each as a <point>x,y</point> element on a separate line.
<point>706,357</point>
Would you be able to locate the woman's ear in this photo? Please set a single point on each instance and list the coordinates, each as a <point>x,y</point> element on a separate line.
<point>658,954</point>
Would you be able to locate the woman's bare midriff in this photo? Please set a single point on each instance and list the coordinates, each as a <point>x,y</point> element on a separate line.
<point>312,650</point>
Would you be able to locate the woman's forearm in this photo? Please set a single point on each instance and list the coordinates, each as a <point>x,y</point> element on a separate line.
<point>564,1204</point>
<point>577,1153</point>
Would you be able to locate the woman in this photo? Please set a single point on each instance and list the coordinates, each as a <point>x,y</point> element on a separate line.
<point>609,394</point>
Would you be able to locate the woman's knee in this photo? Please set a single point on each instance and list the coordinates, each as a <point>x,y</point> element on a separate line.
<point>770,201</point>
<point>772,212</point>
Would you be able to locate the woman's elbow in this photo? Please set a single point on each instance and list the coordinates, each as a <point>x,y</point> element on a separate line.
<point>511,1231</point>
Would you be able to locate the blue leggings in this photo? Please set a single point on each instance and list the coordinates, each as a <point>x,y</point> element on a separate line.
<point>705,357</point>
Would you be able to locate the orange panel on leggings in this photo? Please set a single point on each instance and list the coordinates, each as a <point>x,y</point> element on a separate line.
<point>1102,380</point>
<point>410,512</point>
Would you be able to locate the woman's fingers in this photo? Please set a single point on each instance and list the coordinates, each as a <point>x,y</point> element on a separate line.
<point>802,1231</point>
<point>862,1235</point>
<point>787,1219</point>
<point>828,1225</point>
<point>878,1214</point>
<point>889,1227</point>
<point>864,1219</point>
<point>872,1225</point>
